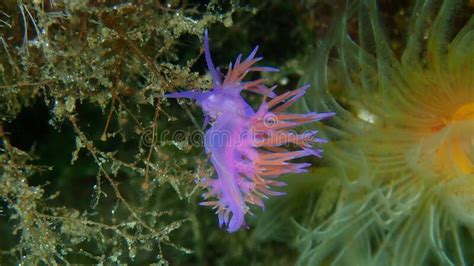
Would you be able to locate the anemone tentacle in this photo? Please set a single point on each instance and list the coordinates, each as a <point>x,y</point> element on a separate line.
<point>403,149</point>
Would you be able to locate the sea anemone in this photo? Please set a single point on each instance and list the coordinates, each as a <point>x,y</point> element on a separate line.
<point>248,148</point>
<point>403,140</point>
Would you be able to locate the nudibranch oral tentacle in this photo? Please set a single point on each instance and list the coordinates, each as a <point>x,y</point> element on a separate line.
<point>248,148</point>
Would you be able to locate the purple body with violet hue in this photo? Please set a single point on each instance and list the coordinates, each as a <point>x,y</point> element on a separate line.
<point>246,146</point>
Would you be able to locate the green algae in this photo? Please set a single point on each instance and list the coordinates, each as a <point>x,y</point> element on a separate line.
<point>80,185</point>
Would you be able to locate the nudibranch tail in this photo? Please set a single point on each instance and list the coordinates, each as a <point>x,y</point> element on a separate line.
<point>249,149</point>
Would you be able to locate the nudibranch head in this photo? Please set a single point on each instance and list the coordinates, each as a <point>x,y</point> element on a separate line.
<point>248,149</point>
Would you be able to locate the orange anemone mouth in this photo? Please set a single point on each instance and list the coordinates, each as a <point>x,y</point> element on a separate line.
<point>455,153</point>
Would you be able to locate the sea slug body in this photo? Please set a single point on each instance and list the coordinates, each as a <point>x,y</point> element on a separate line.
<point>248,148</point>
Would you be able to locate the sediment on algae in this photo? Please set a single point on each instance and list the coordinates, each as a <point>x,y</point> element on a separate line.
<point>401,145</point>
<point>84,176</point>
<point>80,168</point>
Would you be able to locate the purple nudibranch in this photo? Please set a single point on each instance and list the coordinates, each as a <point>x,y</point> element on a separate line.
<point>246,147</point>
